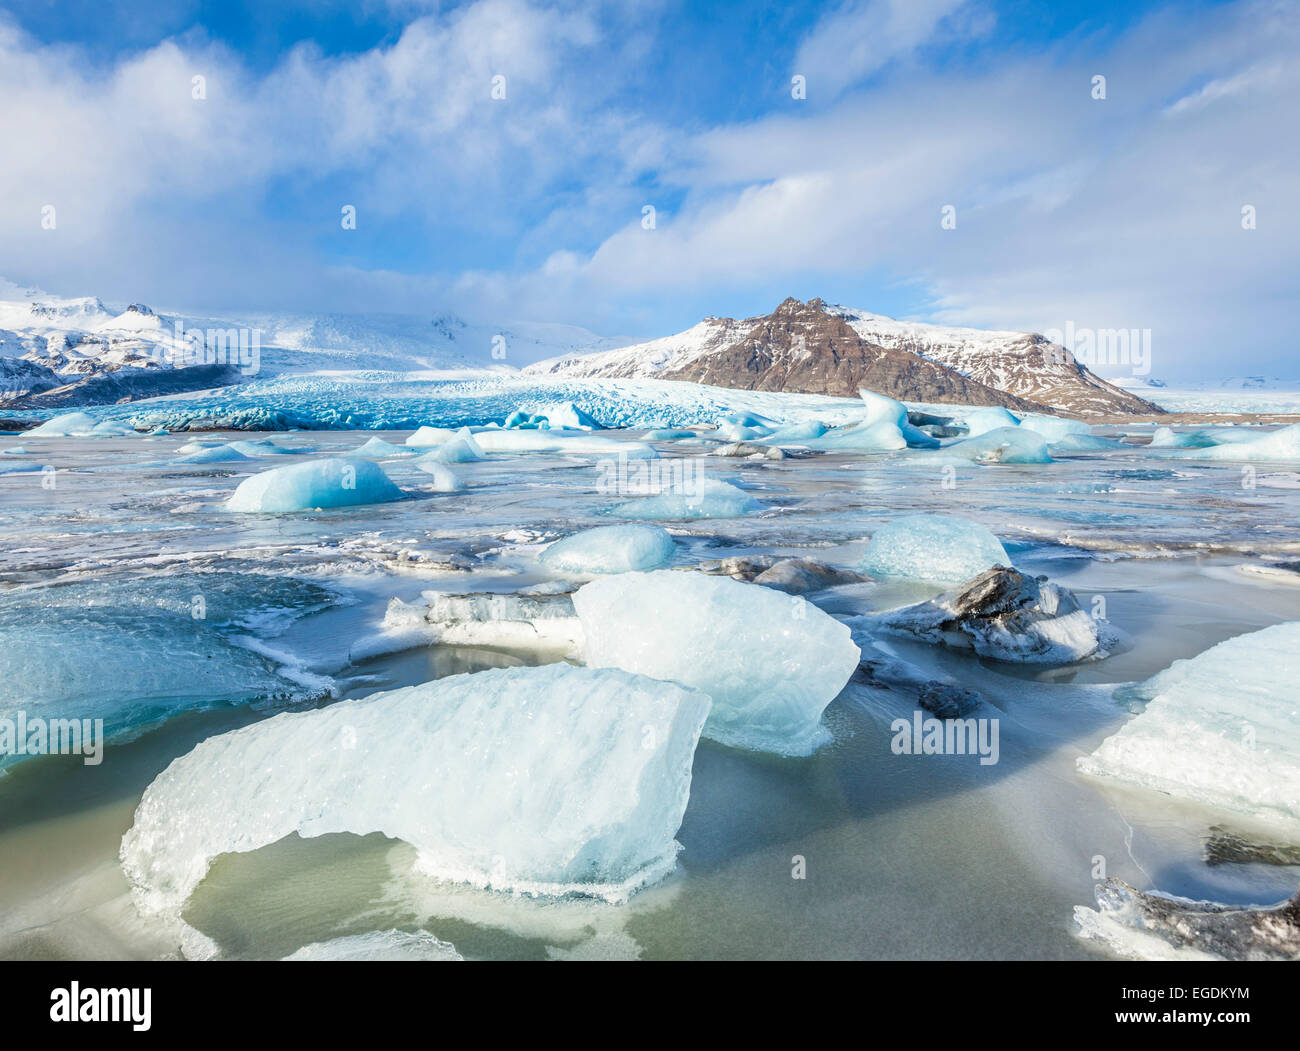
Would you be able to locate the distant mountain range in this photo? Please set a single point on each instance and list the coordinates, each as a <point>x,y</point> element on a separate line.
<point>819,348</point>
<point>57,352</point>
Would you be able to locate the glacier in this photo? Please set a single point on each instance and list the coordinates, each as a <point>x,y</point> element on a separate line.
<point>336,482</point>
<point>771,662</point>
<point>547,781</point>
<point>610,549</point>
<point>1221,729</point>
<point>940,548</point>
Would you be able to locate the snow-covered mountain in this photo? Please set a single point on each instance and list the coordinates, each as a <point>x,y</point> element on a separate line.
<point>891,357</point>
<point>57,351</point>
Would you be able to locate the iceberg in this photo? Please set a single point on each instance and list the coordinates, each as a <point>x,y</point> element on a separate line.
<point>69,425</point>
<point>862,437</point>
<point>460,449</point>
<point>378,449</point>
<point>1282,444</point>
<point>699,498</point>
<point>213,454</point>
<point>337,482</point>
<point>1083,443</point>
<point>265,447</point>
<point>381,946</point>
<point>991,418</point>
<point>24,468</point>
<point>550,781</point>
<point>794,432</point>
<point>502,440</point>
<point>430,436</point>
<point>1221,729</point>
<point>881,409</point>
<point>668,434</point>
<point>1053,428</point>
<point>444,479</point>
<point>1002,445</point>
<point>567,416</point>
<point>611,549</point>
<point>771,662</point>
<point>544,625</point>
<point>940,548</point>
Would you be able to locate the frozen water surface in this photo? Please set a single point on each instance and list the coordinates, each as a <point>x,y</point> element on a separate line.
<point>101,557</point>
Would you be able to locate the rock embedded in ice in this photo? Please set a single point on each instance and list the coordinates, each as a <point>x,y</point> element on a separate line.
<point>380,946</point>
<point>794,576</point>
<point>695,498</point>
<point>941,548</point>
<point>611,549</point>
<point>1006,615</point>
<point>1221,729</point>
<point>552,780</point>
<point>338,482</point>
<point>771,662</point>
<point>444,479</point>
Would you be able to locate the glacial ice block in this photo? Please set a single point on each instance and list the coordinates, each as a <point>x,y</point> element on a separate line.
<point>697,498</point>
<point>338,482</point>
<point>427,437</point>
<point>380,946</point>
<point>71,424</point>
<point>990,418</point>
<point>611,549</point>
<point>569,417</point>
<point>460,449</point>
<point>771,662</point>
<point>881,409</point>
<point>1002,445</point>
<point>378,449</point>
<point>932,547</point>
<point>551,780</point>
<point>1053,428</point>
<point>1221,729</point>
<point>1282,444</point>
<point>444,478</point>
<point>882,436</point>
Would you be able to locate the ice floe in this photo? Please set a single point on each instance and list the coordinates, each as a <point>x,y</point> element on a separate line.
<point>692,498</point>
<point>337,482</point>
<point>771,662</point>
<point>941,548</point>
<point>610,549</point>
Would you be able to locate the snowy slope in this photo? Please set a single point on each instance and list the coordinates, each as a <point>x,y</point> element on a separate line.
<point>1019,363</point>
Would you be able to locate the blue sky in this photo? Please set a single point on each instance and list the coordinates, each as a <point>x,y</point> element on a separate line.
<point>1115,212</point>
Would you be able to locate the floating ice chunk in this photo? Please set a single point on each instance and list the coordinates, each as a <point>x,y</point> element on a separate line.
<point>771,662</point>
<point>549,441</point>
<point>744,419</point>
<point>1083,443</point>
<point>383,946</point>
<point>460,449</point>
<point>1053,428</point>
<point>540,624</point>
<point>113,429</point>
<point>667,434</point>
<point>611,549</point>
<point>24,468</point>
<point>932,547</point>
<point>337,482</point>
<point>794,432</point>
<point>380,946</point>
<point>733,432</point>
<point>444,478</point>
<point>881,409</point>
<point>265,447</point>
<point>1222,729</point>
<point>378,449</point>
<point>861,437</point>
<point>16,450</point>
<point>1002,445</point>
<point>69,425</point>
<point>212,454</point>
<point>569,417</point>
<point>1282,444</point>
<point>520,420</point>
<point>991,418</point>
<point>549,780</point>
<point>696,498</point>
<point>430,436</point>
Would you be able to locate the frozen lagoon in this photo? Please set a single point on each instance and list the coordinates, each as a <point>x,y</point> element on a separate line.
<point>905,856</point>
